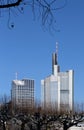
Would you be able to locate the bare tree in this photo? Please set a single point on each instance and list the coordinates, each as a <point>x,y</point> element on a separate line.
<point>43,9</point>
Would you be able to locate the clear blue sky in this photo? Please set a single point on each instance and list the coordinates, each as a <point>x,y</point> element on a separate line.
<point>27,49</point>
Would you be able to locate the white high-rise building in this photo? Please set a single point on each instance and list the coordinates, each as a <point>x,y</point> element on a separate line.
<point>57,90</point>
<point>22,93</point>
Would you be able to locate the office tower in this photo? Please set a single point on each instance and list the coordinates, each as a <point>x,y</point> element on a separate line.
<point>22,94</point>
<point>57,90</point>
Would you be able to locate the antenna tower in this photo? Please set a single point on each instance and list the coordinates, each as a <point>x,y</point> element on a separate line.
<point>16,75</point>
<point>57,50</point>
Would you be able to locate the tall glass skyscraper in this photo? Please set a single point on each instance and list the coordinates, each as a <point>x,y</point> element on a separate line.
<point>57,90</point>
<point>22,93</point>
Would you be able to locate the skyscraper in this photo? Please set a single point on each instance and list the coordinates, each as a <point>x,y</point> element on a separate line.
<point>22,93</point>
<point>57,90</point>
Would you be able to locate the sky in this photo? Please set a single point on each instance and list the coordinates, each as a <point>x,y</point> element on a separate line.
<point>27,48</point>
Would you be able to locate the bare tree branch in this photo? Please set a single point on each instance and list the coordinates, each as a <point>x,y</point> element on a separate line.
<point>17,3</point>
<point>45,9</point>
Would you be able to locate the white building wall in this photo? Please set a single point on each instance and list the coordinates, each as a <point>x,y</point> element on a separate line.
<point>56,70</point>
<point>49,92</point>
<point>58,90</point>
<point>58,93</point>
<point>42,93</point>
<point>71,89</point>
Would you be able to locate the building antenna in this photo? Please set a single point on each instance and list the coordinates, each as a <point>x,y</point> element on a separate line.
<point>57,50</point>
<point>16,75</point>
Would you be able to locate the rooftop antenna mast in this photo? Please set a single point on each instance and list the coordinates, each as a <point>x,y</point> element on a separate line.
<point>16,75</point>
<point>57,50</point>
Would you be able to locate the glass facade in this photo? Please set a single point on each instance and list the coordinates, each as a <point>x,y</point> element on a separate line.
<point>54,94</point>
<point>23,93</point>
<point>64,90</point>
<point>57,91</point>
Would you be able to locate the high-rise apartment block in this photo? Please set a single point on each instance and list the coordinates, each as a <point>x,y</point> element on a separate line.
<point>22,93</point>
<point>57,90</point>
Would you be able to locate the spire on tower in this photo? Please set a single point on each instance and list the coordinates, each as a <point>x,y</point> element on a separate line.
<point>56,47</point>
<point>55,66</point>
<point>57,50</point>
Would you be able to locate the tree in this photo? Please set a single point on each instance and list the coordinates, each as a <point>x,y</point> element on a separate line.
<point>43,9</point>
